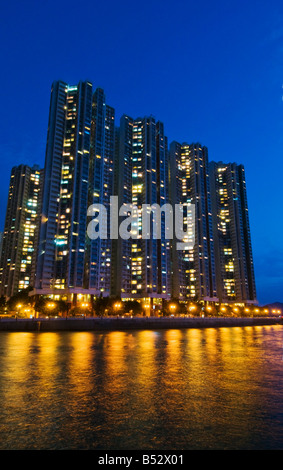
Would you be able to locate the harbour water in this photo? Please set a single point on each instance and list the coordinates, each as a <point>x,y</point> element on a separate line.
<point>177,389</point>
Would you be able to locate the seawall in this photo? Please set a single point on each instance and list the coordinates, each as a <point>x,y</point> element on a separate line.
<point>110,324</point>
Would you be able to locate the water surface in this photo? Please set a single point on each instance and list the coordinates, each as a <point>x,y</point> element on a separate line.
<point>214,388</point>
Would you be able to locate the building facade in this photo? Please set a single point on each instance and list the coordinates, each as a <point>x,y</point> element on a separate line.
<point>122,247</point>
<point>78,173</point>
<point>193,269</point>
<point>20,237</point>
<point>61,251</point>
<point>142,179</point>
<point>100,189</point>
<point>234,259</point>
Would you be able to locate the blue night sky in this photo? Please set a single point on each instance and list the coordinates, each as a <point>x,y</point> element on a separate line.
<point>211,71</point>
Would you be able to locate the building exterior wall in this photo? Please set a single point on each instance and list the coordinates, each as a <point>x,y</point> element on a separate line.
<point>194,269</point>
<point>234,260</point>
<point>19,245</point>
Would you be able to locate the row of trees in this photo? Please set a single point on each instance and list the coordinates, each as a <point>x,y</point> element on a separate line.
<point>21,304</point>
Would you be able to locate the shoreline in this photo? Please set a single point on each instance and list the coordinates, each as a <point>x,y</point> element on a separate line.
<point>125,324</point>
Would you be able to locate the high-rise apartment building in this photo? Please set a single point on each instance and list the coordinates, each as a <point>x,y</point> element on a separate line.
<point>181,285</point>
<point>232,239</point>
<point>20,237</point>
<point>193,269</point>
<point>51,187</point>
<point>164,282</point>
<point>73,198</point>
<point>122,247</point>
<point>78,173</point>
<point>61,254</point>
<point>142,179</point>
<point>100,190</point>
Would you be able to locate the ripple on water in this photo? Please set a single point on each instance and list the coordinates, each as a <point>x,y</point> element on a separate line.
<point>177,389</point>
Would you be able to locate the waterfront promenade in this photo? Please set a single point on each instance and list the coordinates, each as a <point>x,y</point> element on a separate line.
<point>119,323</point>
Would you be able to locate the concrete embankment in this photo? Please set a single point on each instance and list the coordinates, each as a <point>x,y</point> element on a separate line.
<point>110,324</point>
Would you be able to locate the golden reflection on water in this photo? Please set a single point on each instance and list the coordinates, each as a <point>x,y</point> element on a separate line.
<point>158,388</point>
<point>79,365</point>
<point>115,368</point>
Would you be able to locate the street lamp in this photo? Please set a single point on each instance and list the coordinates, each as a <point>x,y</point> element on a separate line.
<point>147,309</point>
<point>172,308</point>
<point>117,306</point>
<point>192,308</point>
<point>51,306</point>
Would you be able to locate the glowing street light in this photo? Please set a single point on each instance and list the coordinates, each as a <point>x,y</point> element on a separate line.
<point>19,306</point>
<point>192,308</point>
<point>172,308</point>
<point>146,306</point>
<point>117,306</point>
